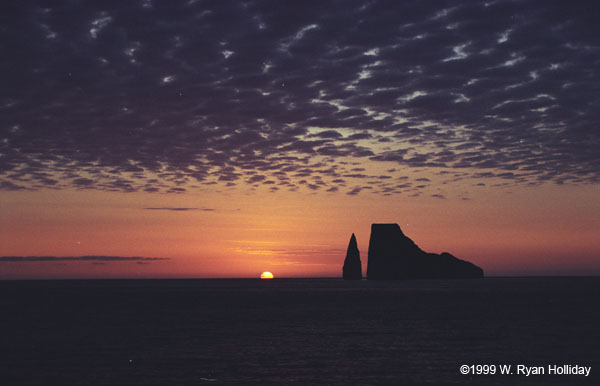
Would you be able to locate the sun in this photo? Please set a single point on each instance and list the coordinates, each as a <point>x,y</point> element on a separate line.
<point>266,275</point>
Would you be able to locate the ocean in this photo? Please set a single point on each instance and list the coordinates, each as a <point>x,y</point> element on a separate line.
<point>299,331</point>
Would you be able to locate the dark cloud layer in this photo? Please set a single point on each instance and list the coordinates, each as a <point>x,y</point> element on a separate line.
<point>163,96</point>
<point>93,259</point>
<point>176,209</point>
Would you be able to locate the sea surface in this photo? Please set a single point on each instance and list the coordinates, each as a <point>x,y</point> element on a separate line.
<point>296,331</point>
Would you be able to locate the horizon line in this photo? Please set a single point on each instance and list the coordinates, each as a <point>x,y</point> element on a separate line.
<point>297,277</point>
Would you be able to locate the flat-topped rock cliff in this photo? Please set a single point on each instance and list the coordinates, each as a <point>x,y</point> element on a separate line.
<point>392,255</point>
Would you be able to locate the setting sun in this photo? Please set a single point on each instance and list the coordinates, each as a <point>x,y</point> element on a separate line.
<point>266,275</point>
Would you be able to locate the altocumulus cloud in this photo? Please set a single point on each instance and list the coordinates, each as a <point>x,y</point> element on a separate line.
<point>163,96</point>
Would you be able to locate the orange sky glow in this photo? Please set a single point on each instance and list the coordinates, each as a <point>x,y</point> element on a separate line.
<point>237,233</point>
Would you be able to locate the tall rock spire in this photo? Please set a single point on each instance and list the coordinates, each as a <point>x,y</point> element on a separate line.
<point>352,268</point>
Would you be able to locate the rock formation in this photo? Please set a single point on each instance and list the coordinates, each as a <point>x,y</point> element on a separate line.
<point>352,268</point>
<point>392,255</point>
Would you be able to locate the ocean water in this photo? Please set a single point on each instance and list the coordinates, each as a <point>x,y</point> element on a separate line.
<point>296,331</point>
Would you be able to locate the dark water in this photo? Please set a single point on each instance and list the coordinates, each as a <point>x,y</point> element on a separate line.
<point>296,331</point>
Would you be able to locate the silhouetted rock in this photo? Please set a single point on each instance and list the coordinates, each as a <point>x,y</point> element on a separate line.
<point>392,255</point>
<point>352,267</point>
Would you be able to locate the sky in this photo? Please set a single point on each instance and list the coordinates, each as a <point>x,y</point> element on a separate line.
<point>149,139</point>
